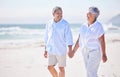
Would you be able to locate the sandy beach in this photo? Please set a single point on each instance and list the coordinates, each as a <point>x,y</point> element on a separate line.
<point>27,60</point>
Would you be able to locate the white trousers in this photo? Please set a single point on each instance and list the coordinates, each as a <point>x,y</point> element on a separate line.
<point>92,60</point>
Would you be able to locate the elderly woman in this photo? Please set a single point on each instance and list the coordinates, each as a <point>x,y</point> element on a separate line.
<point>92,42</point>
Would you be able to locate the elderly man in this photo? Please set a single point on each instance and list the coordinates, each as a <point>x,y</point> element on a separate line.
<point>92,42</point>
<point>58,36</point>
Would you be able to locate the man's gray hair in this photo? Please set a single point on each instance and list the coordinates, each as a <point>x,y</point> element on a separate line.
<point>56,8</point>
<point>94,10</point>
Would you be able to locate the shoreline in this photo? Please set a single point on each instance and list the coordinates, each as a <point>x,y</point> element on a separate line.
<point>11,44</point>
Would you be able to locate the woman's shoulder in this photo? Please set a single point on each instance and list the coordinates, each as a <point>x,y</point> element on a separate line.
<point>83,25</point>
<point>98,23</point>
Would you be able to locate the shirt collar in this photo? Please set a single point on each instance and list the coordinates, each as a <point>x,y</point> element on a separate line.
<point>91,24</point>
<point>57,22</point>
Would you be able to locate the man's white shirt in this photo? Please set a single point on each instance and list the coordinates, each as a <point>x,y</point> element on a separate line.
<point>57,37</point>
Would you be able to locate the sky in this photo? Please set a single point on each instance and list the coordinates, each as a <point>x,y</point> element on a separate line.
<point>40,11</point>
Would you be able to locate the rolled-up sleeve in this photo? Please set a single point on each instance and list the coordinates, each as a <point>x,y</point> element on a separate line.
<point>100,31</point>
<point>68,36</point>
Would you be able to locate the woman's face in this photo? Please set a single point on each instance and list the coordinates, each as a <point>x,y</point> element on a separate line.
<point>91,17</point>
<point>57,15</point>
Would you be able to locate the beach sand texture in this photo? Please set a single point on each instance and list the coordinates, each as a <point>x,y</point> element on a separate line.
<point>28,61</point>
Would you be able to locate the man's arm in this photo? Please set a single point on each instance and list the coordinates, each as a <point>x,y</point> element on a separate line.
<point>45,53</point>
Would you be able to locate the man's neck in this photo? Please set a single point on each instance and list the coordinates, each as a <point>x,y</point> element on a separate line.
<point>57,20</point>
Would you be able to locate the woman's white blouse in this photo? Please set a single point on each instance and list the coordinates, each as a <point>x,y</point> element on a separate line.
<point>89,35</point>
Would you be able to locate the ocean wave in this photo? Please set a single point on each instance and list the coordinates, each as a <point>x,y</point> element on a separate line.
<point>19,31</point>
<point>9,28</point>
<point>32,32</point>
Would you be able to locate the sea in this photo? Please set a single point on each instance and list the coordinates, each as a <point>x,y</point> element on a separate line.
<point>22,34</point>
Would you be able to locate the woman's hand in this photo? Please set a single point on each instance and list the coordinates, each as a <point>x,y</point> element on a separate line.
<point>104,58</point>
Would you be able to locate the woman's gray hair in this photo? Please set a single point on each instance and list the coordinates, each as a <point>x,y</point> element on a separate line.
<point>94,10</point>
<point>56,8</point>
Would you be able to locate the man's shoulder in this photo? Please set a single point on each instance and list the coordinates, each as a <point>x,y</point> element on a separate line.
<point>50,21</point>
<point>65,21</point>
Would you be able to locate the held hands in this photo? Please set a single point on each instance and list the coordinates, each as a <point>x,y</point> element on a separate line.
<point>71,54</point>
<point>104,58</point>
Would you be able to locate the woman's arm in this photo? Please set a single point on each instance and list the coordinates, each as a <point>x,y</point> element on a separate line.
<point>71,53</point>
<point>102,43</point>
<point>76,45</point>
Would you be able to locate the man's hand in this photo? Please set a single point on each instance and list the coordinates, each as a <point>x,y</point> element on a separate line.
<point>45,54</point>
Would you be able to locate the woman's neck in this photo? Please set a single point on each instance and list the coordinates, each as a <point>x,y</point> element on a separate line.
<point>90,23</point>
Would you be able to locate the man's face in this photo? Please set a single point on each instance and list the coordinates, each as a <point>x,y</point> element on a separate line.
<point>58,15</point>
